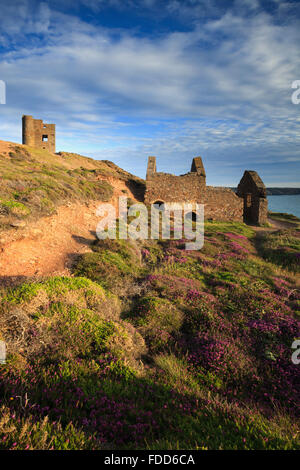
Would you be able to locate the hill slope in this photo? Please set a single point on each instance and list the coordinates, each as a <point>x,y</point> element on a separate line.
<point>141,344</point>
<point>35,182</point>
<point>48,207</point>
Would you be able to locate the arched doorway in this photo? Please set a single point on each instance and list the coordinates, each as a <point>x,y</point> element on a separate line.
<point>191,216</point>
<point>159,205</point>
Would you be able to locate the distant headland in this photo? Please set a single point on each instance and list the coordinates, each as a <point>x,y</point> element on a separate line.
<point>282,191</point>
<point>279,191</point>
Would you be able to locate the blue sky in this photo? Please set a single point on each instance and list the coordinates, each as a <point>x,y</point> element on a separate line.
<point>124,79</point>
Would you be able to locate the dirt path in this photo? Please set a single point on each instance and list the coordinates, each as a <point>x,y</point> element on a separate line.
<point>275,226</point>
<point>49,245</point>
<point>280,224</point>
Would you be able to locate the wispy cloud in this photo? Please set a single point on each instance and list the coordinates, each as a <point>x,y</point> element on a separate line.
<point>221,88</point>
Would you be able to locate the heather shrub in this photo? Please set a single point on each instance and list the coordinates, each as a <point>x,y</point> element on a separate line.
<point>157,319</point>
<point>202,313</point>
<point>172,287</point>
<point>191,351</point>
<point>152,252</point>
<point>222,357</point>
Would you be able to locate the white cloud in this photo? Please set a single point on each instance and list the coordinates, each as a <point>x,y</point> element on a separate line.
<point>21,17</point>
<point>226,84</point>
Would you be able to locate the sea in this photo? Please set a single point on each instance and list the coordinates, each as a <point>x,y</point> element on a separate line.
<point>289,204</point>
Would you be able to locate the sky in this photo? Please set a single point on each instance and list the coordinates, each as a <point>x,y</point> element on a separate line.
<point>125,79</point>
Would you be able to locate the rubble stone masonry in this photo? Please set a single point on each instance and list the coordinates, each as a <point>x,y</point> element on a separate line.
<point>37,134</point>
<point>220,203</point>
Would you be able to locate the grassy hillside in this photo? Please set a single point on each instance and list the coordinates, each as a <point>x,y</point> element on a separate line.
<point>34,182</point>
<point>150,346</point>
<point>289,220</point>
<point>146,345</point>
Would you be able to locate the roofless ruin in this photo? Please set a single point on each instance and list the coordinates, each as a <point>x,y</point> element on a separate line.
<point>249,204</point>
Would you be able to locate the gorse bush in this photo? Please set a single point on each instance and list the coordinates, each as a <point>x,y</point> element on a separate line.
<point>157,319</point>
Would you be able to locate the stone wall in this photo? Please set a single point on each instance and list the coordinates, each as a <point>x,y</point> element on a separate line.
<point>222,204</point>
<point>259,210</point>
<point>170,188</point>
<point>37,134</point>
<point>219,203</point>
<point>166,187</point>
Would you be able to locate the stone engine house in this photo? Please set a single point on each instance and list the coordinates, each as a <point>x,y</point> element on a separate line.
<point>249,204</point>
<point>37,134</point>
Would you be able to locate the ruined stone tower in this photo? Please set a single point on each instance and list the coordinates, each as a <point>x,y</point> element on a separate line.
<point>37,134</point>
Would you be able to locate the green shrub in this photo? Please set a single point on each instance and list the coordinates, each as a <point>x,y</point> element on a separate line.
<point>25,433</point>
<point>111,263</point>
<point>282,248</point>
<point>157,319</point>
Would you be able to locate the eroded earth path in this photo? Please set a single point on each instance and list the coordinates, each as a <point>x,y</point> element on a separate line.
<point>50,244</point>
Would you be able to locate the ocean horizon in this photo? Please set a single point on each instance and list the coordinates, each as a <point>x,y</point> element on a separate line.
<point>290,204</point>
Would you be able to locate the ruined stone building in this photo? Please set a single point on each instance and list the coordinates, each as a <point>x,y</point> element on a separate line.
<point>254,194</point>
<point>249,204</point>
<point>37,134</point>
